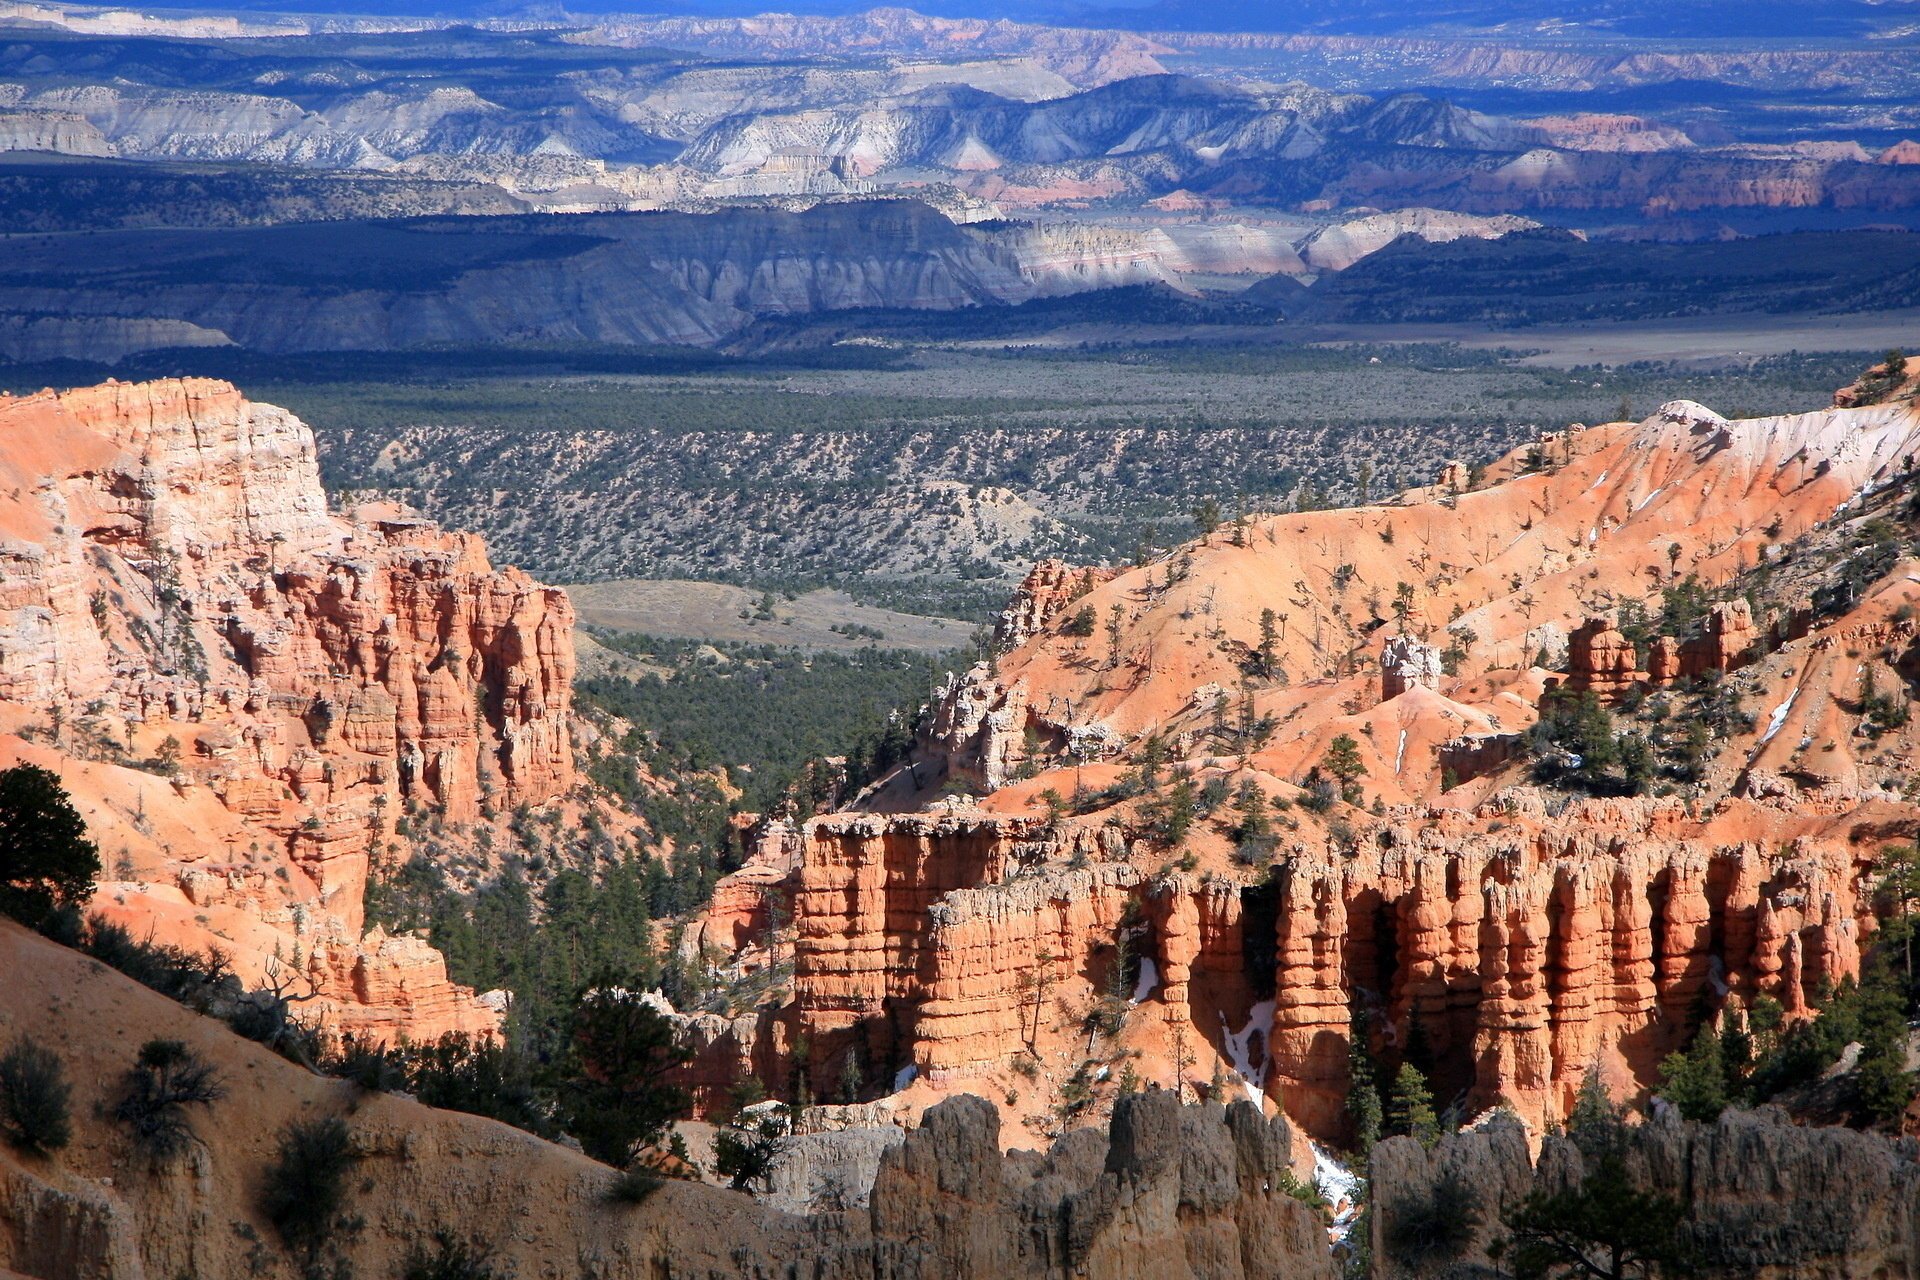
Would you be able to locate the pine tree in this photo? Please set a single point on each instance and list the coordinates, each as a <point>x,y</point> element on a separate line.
<point>1342,760</point>
<point>1410,1107</point>
<point>1363,1094</point>
<point>1269,637</point>
<point>1695,1082</point>
<point>1595,1123</point>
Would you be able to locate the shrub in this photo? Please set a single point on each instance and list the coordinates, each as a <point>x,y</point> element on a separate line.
<point>1436,1226</point>
<point>166,1079</point>
<point>480,1077</point>
<point>744,1156</point>
<point>449,1259</point>
<point>36,1102</point>
<point>370,1066</point>
<point>618,1096</point>
<point>635,1186</point>
<point>196,980</point>
<point>306,1186</point>
<point>46,860</point>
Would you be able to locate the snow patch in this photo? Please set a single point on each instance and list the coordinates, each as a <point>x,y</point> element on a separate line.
<point>1148,981</point>
<point>1778,719</point>
<point>1641,505</point>
<point>1341,1187</point>
<point>1239,1046</point>
<point>1597,483</point>
<point>1400,756</point>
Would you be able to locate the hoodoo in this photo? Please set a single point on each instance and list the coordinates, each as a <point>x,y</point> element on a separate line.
<point>245,691</point>
<point>1310,773</point>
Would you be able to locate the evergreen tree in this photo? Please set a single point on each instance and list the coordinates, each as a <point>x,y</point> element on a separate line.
<point>1363,1092</point>
<point>1596,1125</point>
<point>1695,1082</point>
<point>1410,1107</point>
<point>46,859</point>
<point>1603,1229</point>
<point>1342,761</point>
<point>616,1096</point>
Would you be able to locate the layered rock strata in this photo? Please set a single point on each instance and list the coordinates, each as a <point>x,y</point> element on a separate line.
<point>174,594</point>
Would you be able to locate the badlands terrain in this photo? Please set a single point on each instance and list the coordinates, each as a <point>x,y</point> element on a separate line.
<point>1190,642</point>
<point>1524,776</point>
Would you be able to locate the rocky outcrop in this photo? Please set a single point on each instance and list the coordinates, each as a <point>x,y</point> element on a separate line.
<point>1763,1196</point>
<point>177,591</point>
<point>1602,661</point>
<point>1406,664</point>
<point>1169,1193</point>
<point>1527,958</point>
<point>1338,247</point>
<point>1049,587</point>
<point>1173,1191</point>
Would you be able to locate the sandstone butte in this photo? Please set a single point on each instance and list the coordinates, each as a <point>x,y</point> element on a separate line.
<point>943,943</point>
<point>244,692</point>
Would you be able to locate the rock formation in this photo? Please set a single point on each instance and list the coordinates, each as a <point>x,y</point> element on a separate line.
<point>1406,664</point>
<point>1026,944</point>
<point>246,691</point>
<point>1763,1196</point>
<point>1602,661</point>
<point>1049,587</point>
<point>1168,1193</point>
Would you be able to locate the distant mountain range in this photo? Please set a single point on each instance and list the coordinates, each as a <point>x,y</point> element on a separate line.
<point>1642,19</point>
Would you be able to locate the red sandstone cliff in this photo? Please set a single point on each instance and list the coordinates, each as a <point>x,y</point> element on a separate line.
<point>1528,933</point>
<point>245,691</point>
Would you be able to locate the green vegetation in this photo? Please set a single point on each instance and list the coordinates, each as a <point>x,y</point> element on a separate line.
<point>762,712</point>
<point>1575,745</point>
<point>304,1191</point>
<point>746,1153</point>
<point>46,860</point>
<point>36,1102</point>
<point>1432,1229</point>
<point>1602,1229</point>
<point>1410,1108</point>
<point>166,1079</point>
<point>450,1259</point>
<point>616,1099</point>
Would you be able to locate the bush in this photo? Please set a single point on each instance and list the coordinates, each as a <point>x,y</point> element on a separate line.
<point>748,1155</point>
<point>449,1259</point>
<point>1426,1228</point>
<point>479,1077</point>
<point>370,1066</point>
<point>46,860</point>
<point>196,980</point>
<point>36,1102</point>
<point>306,1186</point>
<point>618,1097</point>
<point>635,1186</point>
<point>166,1079</point>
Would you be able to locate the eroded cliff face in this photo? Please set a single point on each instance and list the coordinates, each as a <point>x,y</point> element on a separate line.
<point>1164,1193</point>
<point>1764,1197</point>
<point>245,691</point>
<point>1057,932</point>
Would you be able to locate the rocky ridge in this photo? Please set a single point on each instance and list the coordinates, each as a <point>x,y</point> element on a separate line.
<point>1851,1195</point>
<point>245,692</point>
<point>1195,1193</point>
<point>1529,934</point>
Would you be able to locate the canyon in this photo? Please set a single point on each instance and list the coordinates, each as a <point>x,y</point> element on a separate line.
<point>246,692</point>
<point>1524,935</point>
<point>246,695</point>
